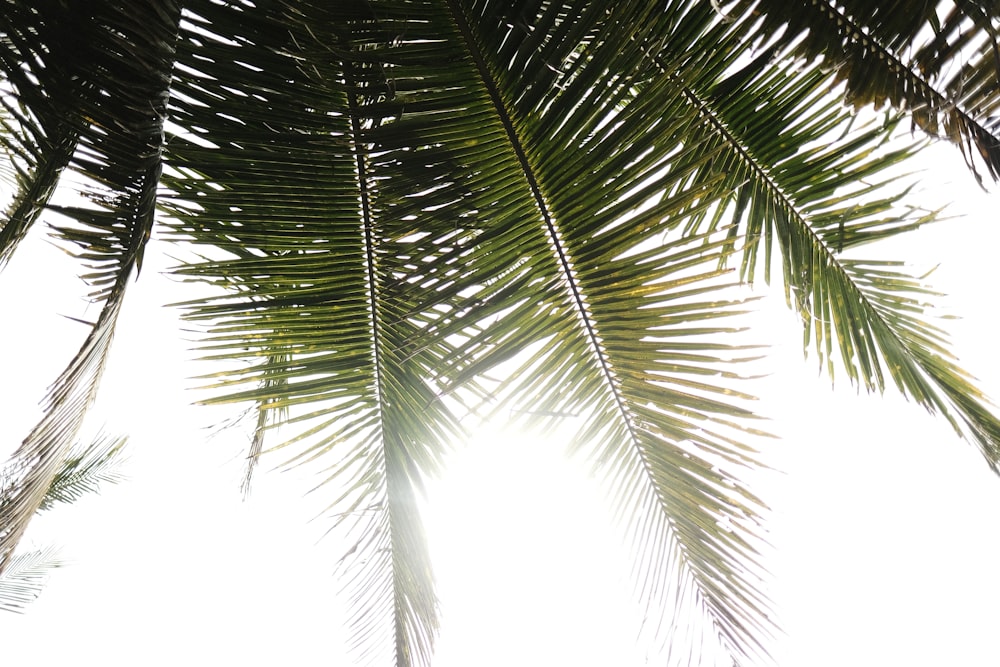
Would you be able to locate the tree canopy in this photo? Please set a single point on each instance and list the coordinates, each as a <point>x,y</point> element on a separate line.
<point>415,211</point>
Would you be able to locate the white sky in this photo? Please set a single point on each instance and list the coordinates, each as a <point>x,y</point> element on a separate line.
<point>885,524</point>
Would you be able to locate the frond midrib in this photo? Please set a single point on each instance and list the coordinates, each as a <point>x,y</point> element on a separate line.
<point>561,254</point>
<point>406,648</point>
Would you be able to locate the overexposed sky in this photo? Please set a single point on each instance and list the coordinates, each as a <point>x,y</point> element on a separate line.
<point>885,524</point>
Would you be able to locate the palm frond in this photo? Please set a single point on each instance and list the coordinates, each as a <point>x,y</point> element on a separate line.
<point>24,578</point>
<point>39,93</point>
<point>323,300</point>
<point>125,55</point>
<point>85,470</point>
<point>940,61</point>
<point>615,306</point>
<point>819,203</point>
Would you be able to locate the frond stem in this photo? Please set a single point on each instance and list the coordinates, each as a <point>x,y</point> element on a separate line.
<point>562,255</point>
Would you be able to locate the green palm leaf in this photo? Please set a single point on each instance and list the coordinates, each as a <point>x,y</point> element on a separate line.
<point>37,132</point>
<point>83,472</point>
<point>818,204</point>
<point>111,53</point>
<point>24,577</point>
<point>940,61</point>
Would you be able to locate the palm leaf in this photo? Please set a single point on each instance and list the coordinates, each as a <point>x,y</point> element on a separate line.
<point>266,417</point>
<point>123,55</point>
<point>335,335</point>
<point>940,61</point>
<point>85,470</point>
<point>808,202</point>
<point>37,130</point>
<point>24,577</point>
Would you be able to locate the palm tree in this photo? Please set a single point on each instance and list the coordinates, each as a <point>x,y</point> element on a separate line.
<point>81,473</point>
<point>395,198</point>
